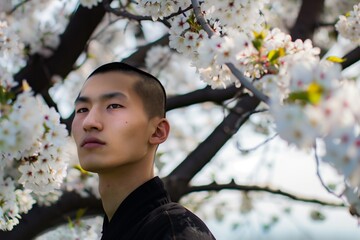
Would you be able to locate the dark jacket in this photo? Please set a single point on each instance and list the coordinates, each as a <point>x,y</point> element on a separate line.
<point>148,214</point>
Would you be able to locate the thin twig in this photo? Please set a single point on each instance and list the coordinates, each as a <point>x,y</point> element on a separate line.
<point>319,174</point>
<point>247,83</point>
<point>126,14</point>
<point>123,13</point>
<point>181,11</point>
<point>101,31</point>
<point>17,6</point>
<point>326,24</point>
<point>238,146</point>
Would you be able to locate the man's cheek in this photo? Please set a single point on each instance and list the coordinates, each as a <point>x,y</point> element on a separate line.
<point>75,130</point>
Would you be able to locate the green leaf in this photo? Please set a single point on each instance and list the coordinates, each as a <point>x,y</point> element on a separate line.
<point>194,25</point>
<point>235,226</point>
<point>80,213</point>
<point>5,95</point>
<point>274,54</point>
<point>259,35</point>
<point>71,224</point>
<point>266,227</point>
<point>332,186</point>
<point>287,210</point>
<point>317,215</point>
<point>336,59</point>
<point>84,172</point>
<point>299,95</point>
<point>257,44</point>
<point>312,95</point>
<point>46,128</point>
<point>258,39</point>
<point>274,219</point>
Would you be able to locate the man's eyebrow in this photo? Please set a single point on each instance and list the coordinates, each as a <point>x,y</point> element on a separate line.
<point>81,99</point>
<point>105,96</point>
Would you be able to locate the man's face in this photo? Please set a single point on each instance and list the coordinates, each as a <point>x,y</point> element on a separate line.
<point>110,128</point>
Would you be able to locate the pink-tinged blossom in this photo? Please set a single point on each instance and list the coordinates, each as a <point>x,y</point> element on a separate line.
<point>9,209</point>
<point>349,26</point>
<point>241,14</point>
<point>31,153</point>
<point>293,125</point>
<point>159,9</point>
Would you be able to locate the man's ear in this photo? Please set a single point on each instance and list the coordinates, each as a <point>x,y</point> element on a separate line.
<point>162,129</point>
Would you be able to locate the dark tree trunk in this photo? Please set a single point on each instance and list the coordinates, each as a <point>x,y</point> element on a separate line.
<point>307,20</point>
<point>39,70</point>
<point>40,219</point>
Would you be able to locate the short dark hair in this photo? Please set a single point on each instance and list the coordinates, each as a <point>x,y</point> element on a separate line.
<point>149,88</point>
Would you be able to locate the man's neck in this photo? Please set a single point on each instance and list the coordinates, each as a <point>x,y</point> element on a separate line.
<point>115,186</point>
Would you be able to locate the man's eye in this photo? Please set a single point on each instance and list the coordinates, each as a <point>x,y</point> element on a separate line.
<point>114,105</point>
<point>81,110</point>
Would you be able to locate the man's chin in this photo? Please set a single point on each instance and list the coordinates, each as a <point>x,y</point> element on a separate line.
<point>95,168</point>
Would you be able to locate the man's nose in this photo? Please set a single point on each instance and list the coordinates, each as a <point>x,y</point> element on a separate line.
<point>93,120</point>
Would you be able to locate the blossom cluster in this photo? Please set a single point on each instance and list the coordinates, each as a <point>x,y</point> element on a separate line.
<point>89,229</point>
<point>231,36</point>
<point>242,15</point>
<point>40,28</point>
<point>309,99</point>
<point>319,106</point>
<point>11,55</point>
<point>80,181</point>
<point>32,159</point>
<point>159,9</point>
<point>348,26</point>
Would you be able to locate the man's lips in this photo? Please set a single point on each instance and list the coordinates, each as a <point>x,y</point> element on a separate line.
<point>92,142</point>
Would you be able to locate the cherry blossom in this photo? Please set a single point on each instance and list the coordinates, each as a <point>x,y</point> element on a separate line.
<point>31,142</point>
<point>348,26</point>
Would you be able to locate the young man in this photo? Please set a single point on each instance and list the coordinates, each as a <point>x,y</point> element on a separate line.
<point>118,125</point>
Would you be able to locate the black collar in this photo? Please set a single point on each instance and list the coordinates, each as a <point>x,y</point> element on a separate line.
<point>138,204</point>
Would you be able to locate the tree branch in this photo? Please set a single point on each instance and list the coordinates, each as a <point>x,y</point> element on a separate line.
<point>137,59</point>
<point>123,13</point>
<point>126,14</point>
<point>254,188</point>
<point>202,95</point>
<point>39,70</point>
<point>40,219</point>
<point>178,179</point>
<point>17,6</point>
<point>245,82</point>
<point>351,58</point>
<point>307,19</point>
